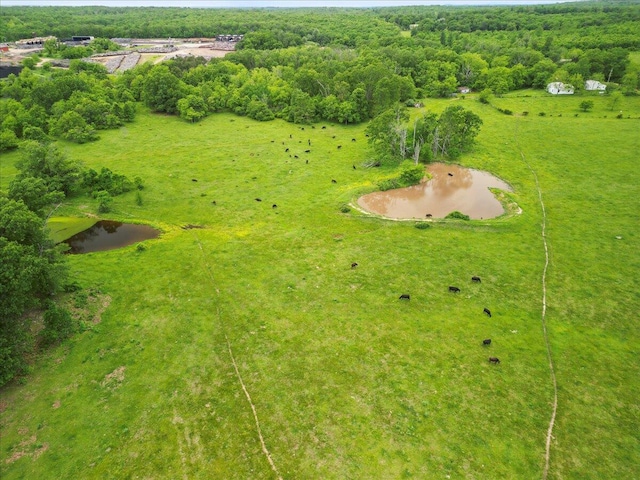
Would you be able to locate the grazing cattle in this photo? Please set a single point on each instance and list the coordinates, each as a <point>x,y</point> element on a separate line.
<point>213,203</point>
<point>487,311</point>
<point>476,279</point>
<point>309,142</point>
<point>301,128</point>
<point>450,174</point>
<point>258,199</point>
<point>307,161</point>
<point>290,136</point>
<point>333,136</point>
<point>405,296</point>
<point>428,215</point>
<point>339,147</point>
<point>295,156</point>
<point>486,341</point>
<point>323,127</point>
<point>272,141</point>
<point>274,206</point>
<point>307,151</point>
<point>353,139</point>
<point>287,150</point>
<point>494,360</point>
<point>333,181</point>
<point>454,289</point>
<point>354,265</point>
<point>312,126</point>
<point>194,179</point>
<point>354,167</point>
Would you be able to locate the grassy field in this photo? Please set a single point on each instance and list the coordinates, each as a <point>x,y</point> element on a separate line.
<point>347,381</point>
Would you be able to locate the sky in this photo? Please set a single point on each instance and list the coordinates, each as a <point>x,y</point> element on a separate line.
<point>270,3</point>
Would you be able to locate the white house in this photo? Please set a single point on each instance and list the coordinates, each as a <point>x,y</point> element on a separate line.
<point>559,88</point>
<point>464,90</point>
<point>594,85</point>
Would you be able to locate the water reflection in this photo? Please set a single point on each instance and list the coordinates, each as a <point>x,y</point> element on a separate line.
<point>107,235</point>
<point>451,188</point>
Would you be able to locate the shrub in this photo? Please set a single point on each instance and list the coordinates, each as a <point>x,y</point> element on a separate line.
<point>8,140</point>
<point>456,215</point>
<point>524,114</point>
<point>541,114</point>
<point>411,174</point>
<point>485,96</point>
<point>58,324</point>
<point>388,184</point>
<point>140,247</point>
<point>422,225</point>
<point>619,115</point>
<point>104,201</point>
<point>138,198</point>
<point>345,209</point>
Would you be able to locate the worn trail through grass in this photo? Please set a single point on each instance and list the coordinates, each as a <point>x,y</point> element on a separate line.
<point>266,452</point>
<point>552,421</point>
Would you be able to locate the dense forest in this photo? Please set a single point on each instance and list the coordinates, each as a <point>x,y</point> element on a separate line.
<point>303,65</point>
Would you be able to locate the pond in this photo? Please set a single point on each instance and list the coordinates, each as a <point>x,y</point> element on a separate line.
<point>108,235</point>
<point>451,188</point>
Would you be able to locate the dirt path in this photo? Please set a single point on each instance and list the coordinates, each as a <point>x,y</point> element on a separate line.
<point>235,366</point>
<point>543,317</point>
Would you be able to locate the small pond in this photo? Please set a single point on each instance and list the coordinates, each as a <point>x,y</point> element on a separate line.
<point>451,188</point>
<point>107,235</point>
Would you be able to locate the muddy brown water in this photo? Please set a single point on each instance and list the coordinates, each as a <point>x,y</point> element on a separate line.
<point>451,188</point>
<point>108,235</point>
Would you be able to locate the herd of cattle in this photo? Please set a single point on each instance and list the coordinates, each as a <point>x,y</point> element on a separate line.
<point>487,341</point>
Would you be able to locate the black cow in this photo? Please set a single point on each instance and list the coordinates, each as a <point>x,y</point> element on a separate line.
<point>494,360</point>
<point>333,181</point>
<point>323,127</point>
<point>213,203</point>
<point>295,156</point>
<point>258,199</point>
<point>405,296</point>
<point>290,136</point>
<point>428,215</point>
<point>309,142</point>
<point>476,279</point>
<point>333,136</point>
<point>194,180</point>
<point>454,289</point>
<point>307,161</point>
<point>301,128</point>
<point>353,139</point>
<point>486,342</point>
<point>274,206</point>
<point>307,151</point>
<point>339,147</point>
<point>487,311</point>
<point>313,127</point>
<point>450,174</point>
<point>354,167</point>
<point>354,265</point>
<point>287,150</point>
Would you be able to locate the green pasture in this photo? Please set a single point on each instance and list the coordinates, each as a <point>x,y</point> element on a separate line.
<point>347,380</point>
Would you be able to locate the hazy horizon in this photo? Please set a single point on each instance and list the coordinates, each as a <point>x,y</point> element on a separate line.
<point>274,3</point>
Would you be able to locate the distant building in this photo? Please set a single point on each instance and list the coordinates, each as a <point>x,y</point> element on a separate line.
<point>559,88</point>
<point>464,90</point>
<point>33,42</point>
<point>229,38</point>
<point>594,85</point>
<point>81,38</point>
